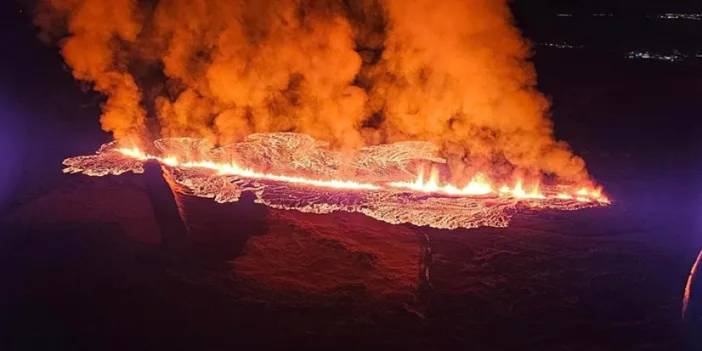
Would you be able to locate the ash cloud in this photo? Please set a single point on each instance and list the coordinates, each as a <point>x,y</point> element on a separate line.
<point>353,73</point>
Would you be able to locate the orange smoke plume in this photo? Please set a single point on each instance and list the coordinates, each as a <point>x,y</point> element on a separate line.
<point>456,73</point>
<point>95,30</point>
<point>452,72</point>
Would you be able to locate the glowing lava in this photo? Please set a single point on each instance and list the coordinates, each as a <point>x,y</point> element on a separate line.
<point>477,186</point>
<point>233,169</point>
<point>387,182</point>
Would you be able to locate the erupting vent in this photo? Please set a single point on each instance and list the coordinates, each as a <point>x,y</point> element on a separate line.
<point>396,183</point>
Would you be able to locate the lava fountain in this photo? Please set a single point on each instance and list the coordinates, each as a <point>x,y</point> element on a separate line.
<point>395,183</point>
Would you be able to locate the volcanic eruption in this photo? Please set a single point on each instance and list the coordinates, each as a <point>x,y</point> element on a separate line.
<point>417,112</point>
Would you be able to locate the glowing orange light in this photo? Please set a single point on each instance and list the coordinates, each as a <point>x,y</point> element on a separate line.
<point>479,185</point>
<point>233,169</point>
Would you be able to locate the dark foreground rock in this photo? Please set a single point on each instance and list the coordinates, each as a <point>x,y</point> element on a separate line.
<point>90,266</point>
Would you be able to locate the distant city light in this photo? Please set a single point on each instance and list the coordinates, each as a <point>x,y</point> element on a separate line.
<point>676,56</point>
<point>560,45</point>
<point>686,16</point>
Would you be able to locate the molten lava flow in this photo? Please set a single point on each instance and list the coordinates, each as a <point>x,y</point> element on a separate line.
<point>519,192</point>
<point>317,180</point>
<point>233,169</point>
<point>478,185</point>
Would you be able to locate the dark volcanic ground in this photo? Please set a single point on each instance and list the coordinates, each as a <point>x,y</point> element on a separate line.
<point>83,269</point>
<point>97,263</point>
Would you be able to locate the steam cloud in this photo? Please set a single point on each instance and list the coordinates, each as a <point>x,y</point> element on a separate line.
<point>353,73</point>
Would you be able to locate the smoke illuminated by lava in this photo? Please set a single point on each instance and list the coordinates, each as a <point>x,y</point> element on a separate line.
<point>454,73</point>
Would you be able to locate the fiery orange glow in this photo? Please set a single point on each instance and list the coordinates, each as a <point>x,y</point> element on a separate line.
<point>396,183</point>
<point>238,74</point>
<point>243,67</point>
<point>233,169</point>
<point>479,185</point>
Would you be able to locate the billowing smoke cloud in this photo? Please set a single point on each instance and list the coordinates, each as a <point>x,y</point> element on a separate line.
<point>97,29</point>
<point>349,72</point>
<point>455,73</point>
